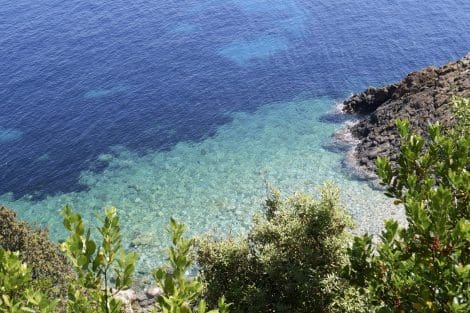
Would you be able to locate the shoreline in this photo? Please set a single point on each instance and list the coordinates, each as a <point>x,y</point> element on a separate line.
<point>422,97</point>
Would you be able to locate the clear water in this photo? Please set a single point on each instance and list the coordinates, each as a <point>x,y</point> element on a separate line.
<point>189,108</point>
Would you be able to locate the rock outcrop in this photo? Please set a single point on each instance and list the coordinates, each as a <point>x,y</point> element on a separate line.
<point>423,97</point>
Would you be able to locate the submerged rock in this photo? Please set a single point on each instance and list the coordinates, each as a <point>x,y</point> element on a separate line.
<point>153,292</point>
<point>422,97</point>
<point>127,297</point>
<point>138,301</point>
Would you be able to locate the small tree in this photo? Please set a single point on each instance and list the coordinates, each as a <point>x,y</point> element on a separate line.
<point>288,262</point>
<point>16,293</point>
<point>50,269</point>
<point>92,292</point>
<point>181,293</point>
<point>424,267</point>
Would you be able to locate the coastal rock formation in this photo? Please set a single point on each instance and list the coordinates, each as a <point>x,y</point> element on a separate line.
<point>422,97</point>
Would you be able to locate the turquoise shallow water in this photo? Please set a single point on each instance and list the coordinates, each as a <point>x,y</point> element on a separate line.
<point>215,185</point>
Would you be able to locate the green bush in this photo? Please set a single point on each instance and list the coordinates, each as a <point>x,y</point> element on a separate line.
<point>16,293</point>
<point>424,267</point>
<point>82,273</point>
<point>181,293</point>
<point>100,269</point>
<point>50,269</point>
<point>289,261</point>
<point>96,265</point>
<point>461,108</point>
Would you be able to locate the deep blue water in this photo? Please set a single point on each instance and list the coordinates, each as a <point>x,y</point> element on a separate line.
<point>79,77</point>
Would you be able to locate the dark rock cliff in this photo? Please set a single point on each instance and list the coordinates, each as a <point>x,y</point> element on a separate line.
<point>422,97</point>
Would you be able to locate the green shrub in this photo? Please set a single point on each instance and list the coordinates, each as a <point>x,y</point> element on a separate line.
<point>181,293</point>
<point>49,267</point>
<point>96,265</point>
<point>100,271</point>
<point>16,293</point>
<point>424,267</point>
<point>461,108</point>
<point>289,261</point>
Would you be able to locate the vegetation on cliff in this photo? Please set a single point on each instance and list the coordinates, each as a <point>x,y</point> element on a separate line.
<point>425,266</point>
<point>49,268</point>
<point>287,262</point>
<point>17,289</point>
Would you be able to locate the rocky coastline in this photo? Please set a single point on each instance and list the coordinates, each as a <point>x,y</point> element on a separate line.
<point>422,97</point>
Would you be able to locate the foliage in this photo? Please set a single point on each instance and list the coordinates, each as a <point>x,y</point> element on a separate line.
<point>287,263</point>
<point>180,292</point>
<point>461,108</point>
<point>16,293</point>
<point>49,267</point>
<point>424,267</point>
<point>95,266</point>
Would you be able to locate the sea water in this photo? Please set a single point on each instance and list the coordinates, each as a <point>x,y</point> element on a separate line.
<point>192,109</point>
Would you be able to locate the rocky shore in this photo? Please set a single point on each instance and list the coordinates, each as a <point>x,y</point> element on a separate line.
<point>422,97</point>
